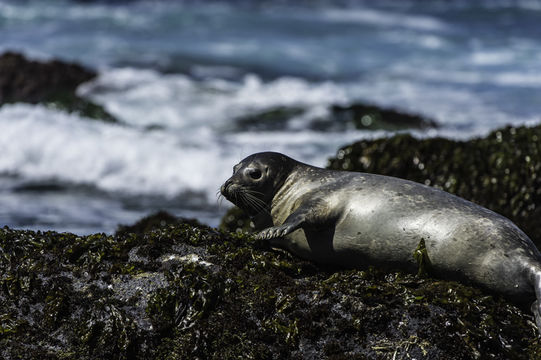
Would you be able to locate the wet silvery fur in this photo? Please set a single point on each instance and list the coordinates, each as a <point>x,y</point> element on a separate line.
<point>357,219</point>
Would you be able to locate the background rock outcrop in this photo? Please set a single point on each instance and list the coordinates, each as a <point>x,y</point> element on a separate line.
<point>51,83</point>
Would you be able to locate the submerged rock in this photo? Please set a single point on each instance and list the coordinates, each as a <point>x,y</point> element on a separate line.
<point>339,118</point>
<point>190,292</point>
<point>51,83</point>
<point>370,117</point>
<point>273,119</point>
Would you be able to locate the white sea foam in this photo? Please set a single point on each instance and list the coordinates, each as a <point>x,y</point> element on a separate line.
<point>47,10</point>
<point>493,57</point>
<point>145,97</point>
<point>386,18</point>
<point>39,143</point>
<point>191,151</point>
<point>519,79</point>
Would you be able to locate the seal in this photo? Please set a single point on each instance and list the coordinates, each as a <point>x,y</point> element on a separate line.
<point>356,219</point>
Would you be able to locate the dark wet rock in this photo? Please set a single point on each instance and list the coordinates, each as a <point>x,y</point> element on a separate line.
<point>340,118</point>
<point>70,102</point>
<point>370,117</point>
<point>269,120</point>
<point>235,220</point>
<point>51,83</point>
<point>154,221</point>
<point>501,171</point>
<point>190,292</point>
<point>33,81</point>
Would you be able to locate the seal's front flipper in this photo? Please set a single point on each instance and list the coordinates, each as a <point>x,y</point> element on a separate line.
<point>292,223</point>
<point>276,232</point>
<point>313,213</point>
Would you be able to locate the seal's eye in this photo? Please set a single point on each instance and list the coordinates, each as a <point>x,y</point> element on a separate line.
<point>255,174</point>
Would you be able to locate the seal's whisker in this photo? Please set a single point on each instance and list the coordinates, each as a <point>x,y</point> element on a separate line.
<point>246,199</point>
<point>255,203</point>
<point>260,203</point>
<point>220,200</point>
<point>253,192</point>
<point>235,195</point>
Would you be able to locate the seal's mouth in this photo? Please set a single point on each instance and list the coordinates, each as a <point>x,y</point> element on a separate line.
<point>233,193</point>
<point>225,190</point>
<point>248,200</point>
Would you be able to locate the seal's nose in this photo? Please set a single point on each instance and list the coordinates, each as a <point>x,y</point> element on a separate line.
<point>224,187</point>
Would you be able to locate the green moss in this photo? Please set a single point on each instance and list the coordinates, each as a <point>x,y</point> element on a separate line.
<point>69,102</point>
<point>421,257</point>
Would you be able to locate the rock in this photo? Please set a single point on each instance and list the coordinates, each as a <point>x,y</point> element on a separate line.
<point>340,118</point>
<point>190,292</point>
<point>501,172</point>
<point>31,81</point>
<point>235,220</point>
<point>370,117</point>
<point>152,222</point>
<point>51,83</point>
<point>273,119</point>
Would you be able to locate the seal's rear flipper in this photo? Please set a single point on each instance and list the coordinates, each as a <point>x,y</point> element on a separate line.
<point>536,306</point>
<point>536,309</point>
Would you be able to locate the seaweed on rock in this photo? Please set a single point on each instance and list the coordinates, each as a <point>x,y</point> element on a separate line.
<point>189,291</point>
<point>371,117</point>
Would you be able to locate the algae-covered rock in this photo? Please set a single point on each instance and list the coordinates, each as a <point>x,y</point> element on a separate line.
<point>268,120</point>
<point>371,117</point>
<point>339,118</point>
<point>153,222</point>
<point>191,292</point>
<point>501,171</point>
<point>235,220</point>
<point>51,83</point>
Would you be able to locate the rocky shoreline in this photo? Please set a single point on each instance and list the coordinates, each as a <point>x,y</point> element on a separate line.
<point>183,291</point>
<point>169,288</point>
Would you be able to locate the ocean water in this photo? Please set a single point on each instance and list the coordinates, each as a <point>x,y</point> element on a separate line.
<point>180,74</point>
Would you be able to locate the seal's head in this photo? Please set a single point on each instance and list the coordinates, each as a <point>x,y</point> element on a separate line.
<point>256,179</point>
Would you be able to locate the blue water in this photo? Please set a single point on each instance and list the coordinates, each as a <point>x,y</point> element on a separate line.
<point>187,69</point>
